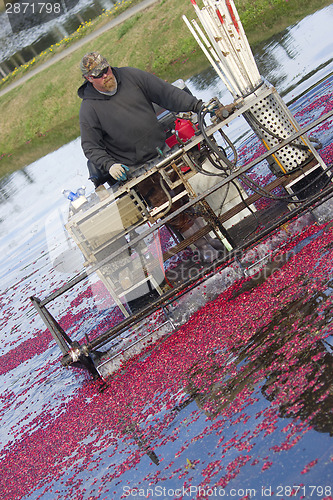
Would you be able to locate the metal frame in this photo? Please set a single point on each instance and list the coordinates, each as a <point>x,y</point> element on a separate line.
<point>227,48</point>
<point>75,353</point>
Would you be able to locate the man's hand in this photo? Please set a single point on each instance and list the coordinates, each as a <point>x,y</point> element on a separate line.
<point>118,171</point>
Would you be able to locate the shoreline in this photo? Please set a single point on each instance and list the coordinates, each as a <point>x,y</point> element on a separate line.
<point>144,4</point>
<point>48,118</point>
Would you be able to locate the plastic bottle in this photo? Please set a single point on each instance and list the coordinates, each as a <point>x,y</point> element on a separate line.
<point>81,191</point>
<point>69,194</point>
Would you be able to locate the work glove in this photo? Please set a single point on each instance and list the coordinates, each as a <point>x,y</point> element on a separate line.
<point>118,171</point>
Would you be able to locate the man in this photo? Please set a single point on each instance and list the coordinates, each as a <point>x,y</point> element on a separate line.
<point>119,127</point>
<point>120,131</point>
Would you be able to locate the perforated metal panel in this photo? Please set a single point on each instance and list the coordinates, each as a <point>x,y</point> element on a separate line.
<point>279,121</point>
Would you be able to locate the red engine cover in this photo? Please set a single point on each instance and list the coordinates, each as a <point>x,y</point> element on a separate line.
<point>185,130</point>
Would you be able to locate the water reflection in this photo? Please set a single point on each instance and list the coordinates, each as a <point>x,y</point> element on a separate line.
<point>239,397</point>
<point>302,50</point>
<point>254,397</point>
<point>132,429</point>
<point>29,198</point>
<point>286,358</point>
<point>301,54</point>
<point>21,43</point>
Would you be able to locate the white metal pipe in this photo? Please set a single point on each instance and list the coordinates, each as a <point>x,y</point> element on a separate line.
<point>241,37</point>
<point>212,56</point>
<point>205,40</point>
<point>196,8</point>
<point>223,46</point>
<point>228,45</point>
<point>221,22</point>
<point>234,75</point>
<point>205,51</point>
<point>254,67</point>
<point>224,68</point>
<point>228,34</point>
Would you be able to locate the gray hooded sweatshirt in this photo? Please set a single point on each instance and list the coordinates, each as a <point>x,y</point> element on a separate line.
<point>123,128</point>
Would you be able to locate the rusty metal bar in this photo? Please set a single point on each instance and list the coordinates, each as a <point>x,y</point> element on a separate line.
<point>57,332</point>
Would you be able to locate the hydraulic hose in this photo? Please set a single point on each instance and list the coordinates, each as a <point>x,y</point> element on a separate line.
<point>265,194</point>
<point>249,182</point>
<point>201,116</point>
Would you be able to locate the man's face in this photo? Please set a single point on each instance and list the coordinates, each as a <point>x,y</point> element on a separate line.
<point>105,81</point>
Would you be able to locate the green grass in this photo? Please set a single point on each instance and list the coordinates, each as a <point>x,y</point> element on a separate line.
<point>126,26</point>
<point>41,115</point>
<point>264,18</point>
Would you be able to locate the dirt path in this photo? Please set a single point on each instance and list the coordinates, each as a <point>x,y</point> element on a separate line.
<point>118,20</point>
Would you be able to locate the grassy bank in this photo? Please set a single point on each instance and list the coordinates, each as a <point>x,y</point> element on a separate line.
<point>41,115</point>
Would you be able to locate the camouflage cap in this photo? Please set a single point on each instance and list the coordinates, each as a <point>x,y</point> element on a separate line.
<point>92,64</point>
